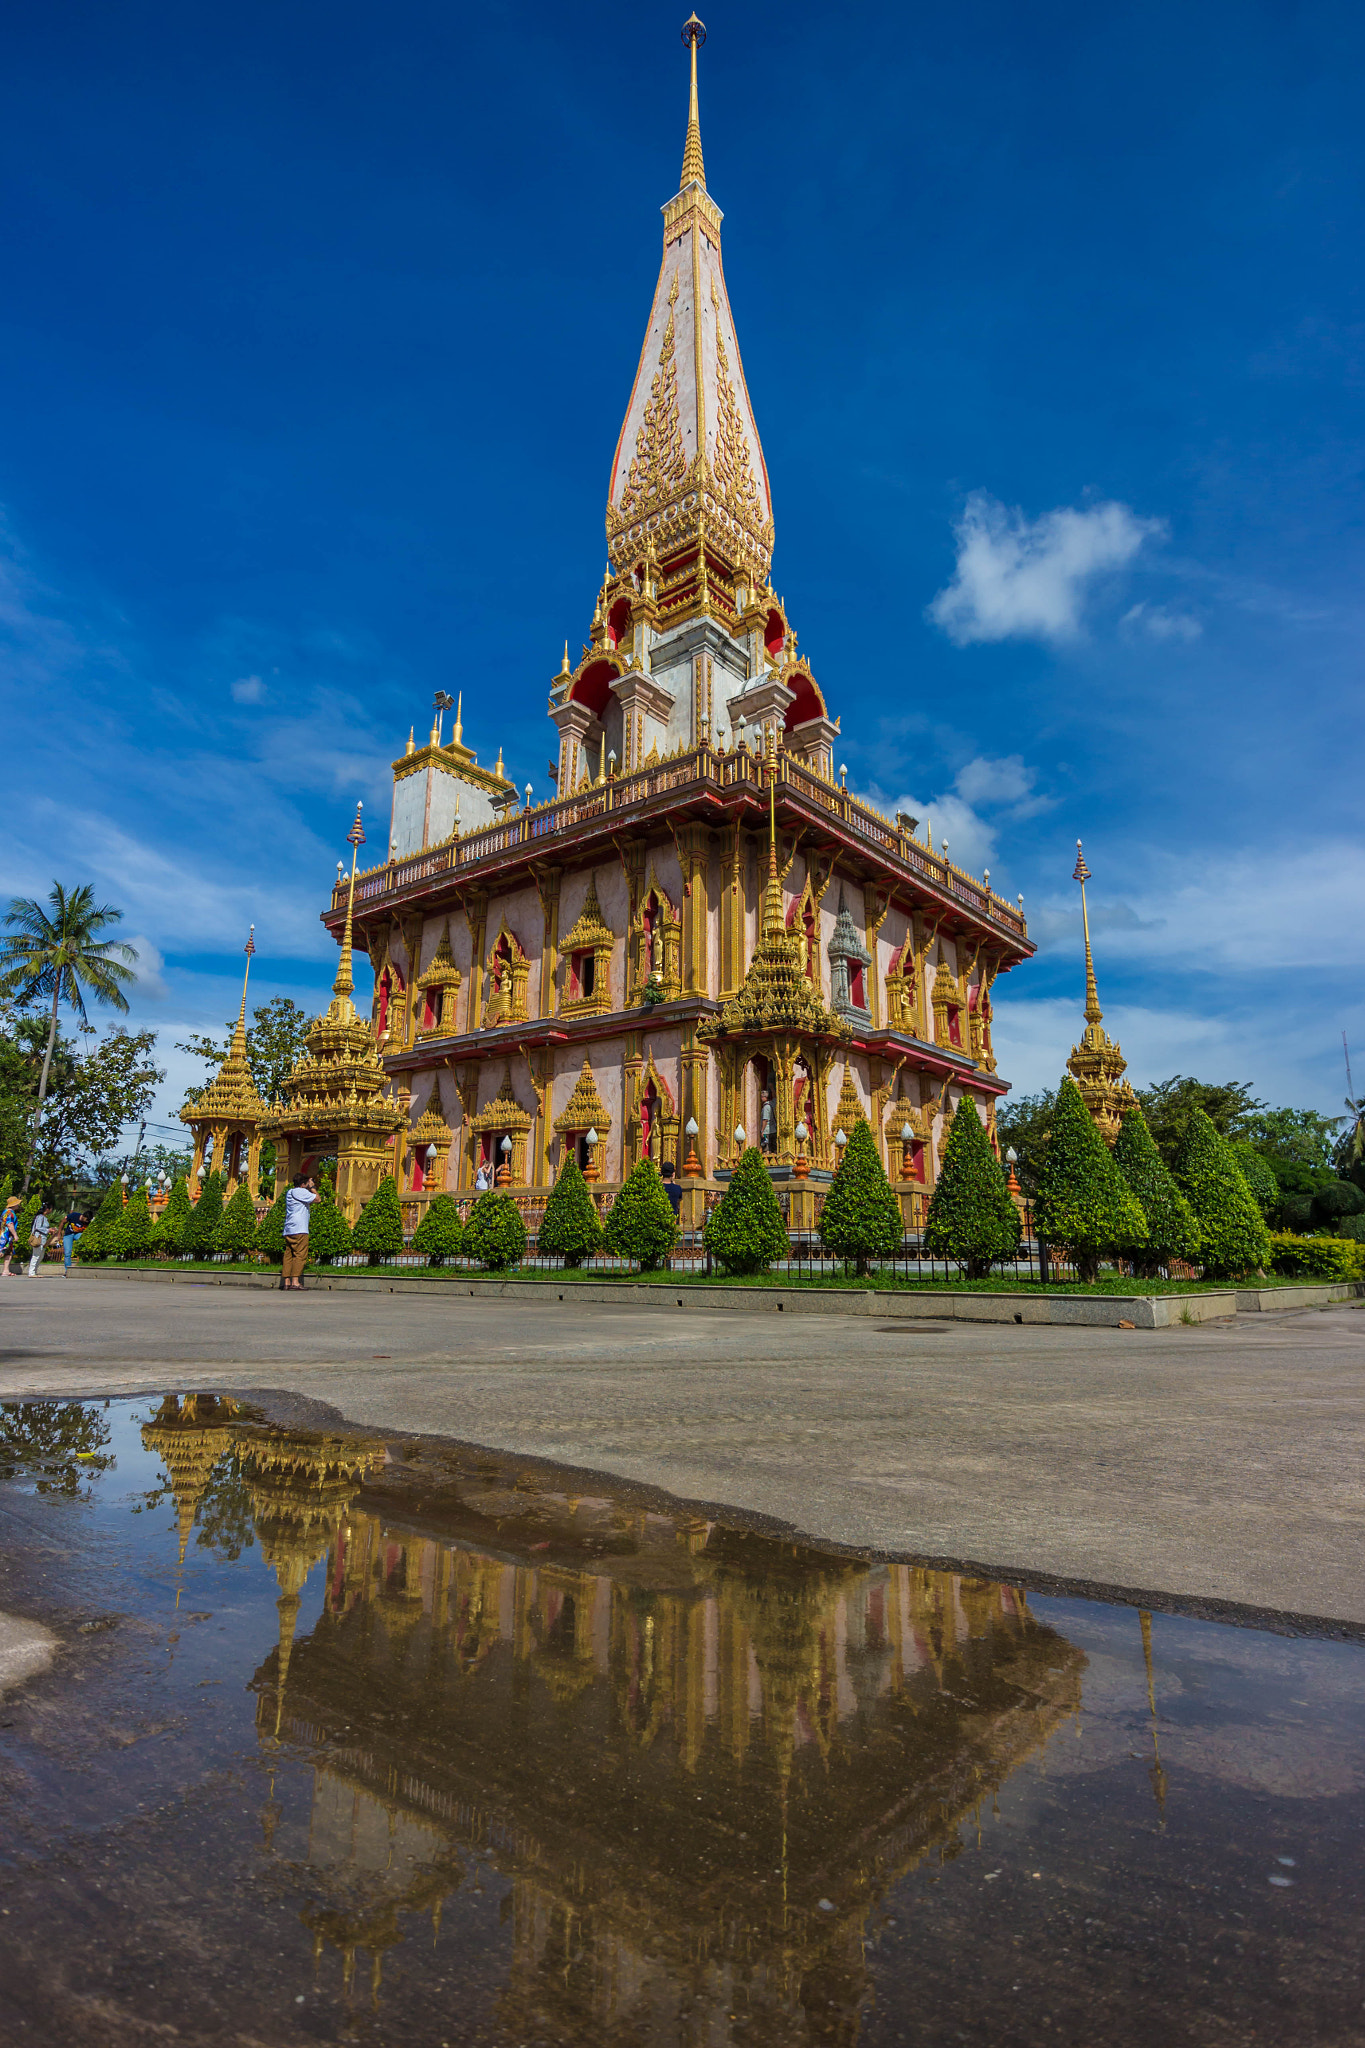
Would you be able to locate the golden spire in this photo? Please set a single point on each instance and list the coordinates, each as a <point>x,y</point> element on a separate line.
<point>239,1035</point>
<point>457,737</point>
<point>564,665</point>
<point>411,747</point>
<point>1093,1013</point>
<point>773,920</point>
<point>693,170</point>
<point>345,980</point>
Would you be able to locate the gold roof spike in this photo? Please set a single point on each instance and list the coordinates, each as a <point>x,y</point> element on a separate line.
<point>584,1110</point>
<point>231,1095</point>
<point>1097,1064</point>
<point>693,169</point>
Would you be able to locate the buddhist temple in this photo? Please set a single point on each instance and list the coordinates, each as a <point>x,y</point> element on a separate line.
<point>1096,1065</point>
<point>705,934</point>
<point>227,1118</point>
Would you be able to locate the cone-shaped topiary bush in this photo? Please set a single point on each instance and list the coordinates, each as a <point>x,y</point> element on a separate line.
<point>93,1242</point>
<point>1172,1232</point>
<point>1232,1234</point>
<point>171,1231</point>
<point>971,1217</point>
<point>440,1234</point>
<point>208,1214</point>
<point>269,1237</point>
<point>237,1227</point>
<point>131,1236</point>
<point>641,1224</point>
<point>861,1218</point>
<point>329,1234</point>
<point>571,1228</point>
<point>494,1233</point>
<point>1083,1200</point>
<point>1262,1185</point>
<point>378,1229</point>
<point>745,1231</point>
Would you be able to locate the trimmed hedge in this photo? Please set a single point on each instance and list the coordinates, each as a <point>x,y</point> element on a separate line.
<point>641,1224</point>
<point>93,1242</point>
<point>131,1236</point>
<point>1321,1258</point>
<point>861,1217</point>
<point>745,1231</point>
<point>1083,1200</point>
<point>208,1214</point>
<point>971,1218</point>
<point>172,1229</point>
<point>440,1234</point>
<point>1172,1232</point>
<point>1232,1234</point>
<point>571,1228</point>
<point>378,1229</point>
<point>494,1233</point>
<point>329,1234</point>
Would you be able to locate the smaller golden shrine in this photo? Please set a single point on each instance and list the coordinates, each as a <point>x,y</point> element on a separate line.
<point>1097,1065</point>
<point>190,1436</point>
<point>226,1119</point>
<point>334,1096</point>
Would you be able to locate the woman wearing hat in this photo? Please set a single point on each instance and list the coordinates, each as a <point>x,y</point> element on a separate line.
<point>9,1233</point>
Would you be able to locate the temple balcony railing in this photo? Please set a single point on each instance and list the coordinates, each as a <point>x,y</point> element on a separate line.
<point>701,771</point>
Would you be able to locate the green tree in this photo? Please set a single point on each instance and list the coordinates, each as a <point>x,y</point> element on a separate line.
<point>378,1229</point>
<point>237,1228</point>
<point>971,1217</point>
<point>1255,1171</point>
<point>861,1218</point>
<point>440,1234</point>
<point>641,1224</point>
<point>1232,1233</point>
<point>745,1231</point>
<point>57,954</point>
<point>131,1236</point>
<point>571,1228</point>
<point>93,1242</point>
<point>208,1214</point>
<point>1083,1200</point>
<point>1172,1232</point>
<point>1022,1124</point>
<point>1334,1203</point>
<point>494,1234</point>
<point>1168,1107</point>
<point>329,1234</point>
<point>274,1045</point>
<point>171,1234</point>
<point>270,1231</point>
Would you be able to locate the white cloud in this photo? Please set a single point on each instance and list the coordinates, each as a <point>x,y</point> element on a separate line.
<point>149,968</point>
<point>248,690</point>
<point>1018,578</point>
<point>1003,784</point>
<point>1160,622</point>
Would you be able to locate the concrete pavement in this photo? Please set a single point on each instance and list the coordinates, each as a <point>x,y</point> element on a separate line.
<point>1215,1464</point>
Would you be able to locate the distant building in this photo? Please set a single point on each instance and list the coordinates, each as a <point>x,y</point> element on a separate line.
<point>704,913</point>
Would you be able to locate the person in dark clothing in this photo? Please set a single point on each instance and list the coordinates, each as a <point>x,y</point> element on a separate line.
<point>671,1186</point>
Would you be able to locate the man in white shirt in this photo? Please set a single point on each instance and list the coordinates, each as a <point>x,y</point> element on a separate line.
<point>297,1203</point>
<point>37,1239</point>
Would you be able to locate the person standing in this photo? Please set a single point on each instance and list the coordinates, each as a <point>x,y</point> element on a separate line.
<point>37,1239</point>
<point>297,1204</point>
<point>9,1234</point>
<point>481,1180</point>
<point>72,1227</point>
<point>671,1185</point>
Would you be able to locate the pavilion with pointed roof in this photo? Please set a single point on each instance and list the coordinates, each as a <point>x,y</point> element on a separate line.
<point>227,1119</point>
<point>1097,1065</point>
<point>702,911</point>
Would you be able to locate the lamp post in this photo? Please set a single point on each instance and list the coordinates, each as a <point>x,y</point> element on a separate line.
<point>441,703</point>
<point>1012,1160</point>
<point>801,1165</point>
<point>841,1139</point>
<point>739,1140</point>
<point>505,1170</point>
<point>907,1151</point>
<point>692,1164</point>
<point>592,1141</point>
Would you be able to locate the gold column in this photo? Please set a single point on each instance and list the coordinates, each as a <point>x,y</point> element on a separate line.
<point>875,908</point>
<point>922,1030</point>
<point>412,942</point>
<point>476,915</point>
<point>694,843</point>
<point>696,1072</point>
<point>733,859</point>
<point>632,1067</point>
<point>548,882</point>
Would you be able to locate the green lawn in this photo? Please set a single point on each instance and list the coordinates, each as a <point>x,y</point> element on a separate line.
<point>785,1283</point>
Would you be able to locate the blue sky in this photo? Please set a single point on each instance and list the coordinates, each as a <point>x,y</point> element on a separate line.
<point>318,327</point>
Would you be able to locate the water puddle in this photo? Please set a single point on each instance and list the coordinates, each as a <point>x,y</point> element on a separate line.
<point>415,1745</point>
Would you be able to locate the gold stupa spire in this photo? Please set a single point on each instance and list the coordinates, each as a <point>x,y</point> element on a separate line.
<point>1097,1065</point>
<point>693,169</point>
<point>239,1035</point>
<point>345,981</point>
<point>1093,1013</point>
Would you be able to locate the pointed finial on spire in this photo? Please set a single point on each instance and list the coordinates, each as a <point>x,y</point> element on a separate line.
<point>239,1035</point>
<point>411,747</point>
<point>1081,873</point>
<point>345,980</point>
<point>564,669</point>
<point>457,737</point>
<point>693,170</point>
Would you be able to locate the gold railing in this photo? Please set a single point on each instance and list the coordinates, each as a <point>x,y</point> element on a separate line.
<point>701,768</point>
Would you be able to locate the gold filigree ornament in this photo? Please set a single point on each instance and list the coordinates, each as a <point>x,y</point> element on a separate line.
<point>660,460</point>
<point>584,1110</point>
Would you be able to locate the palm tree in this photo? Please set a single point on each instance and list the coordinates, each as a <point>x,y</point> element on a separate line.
<point>59,953</point>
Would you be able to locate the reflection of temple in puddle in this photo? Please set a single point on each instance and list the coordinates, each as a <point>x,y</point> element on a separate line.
<point>189,1434</point>
<point>699,1755</point>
